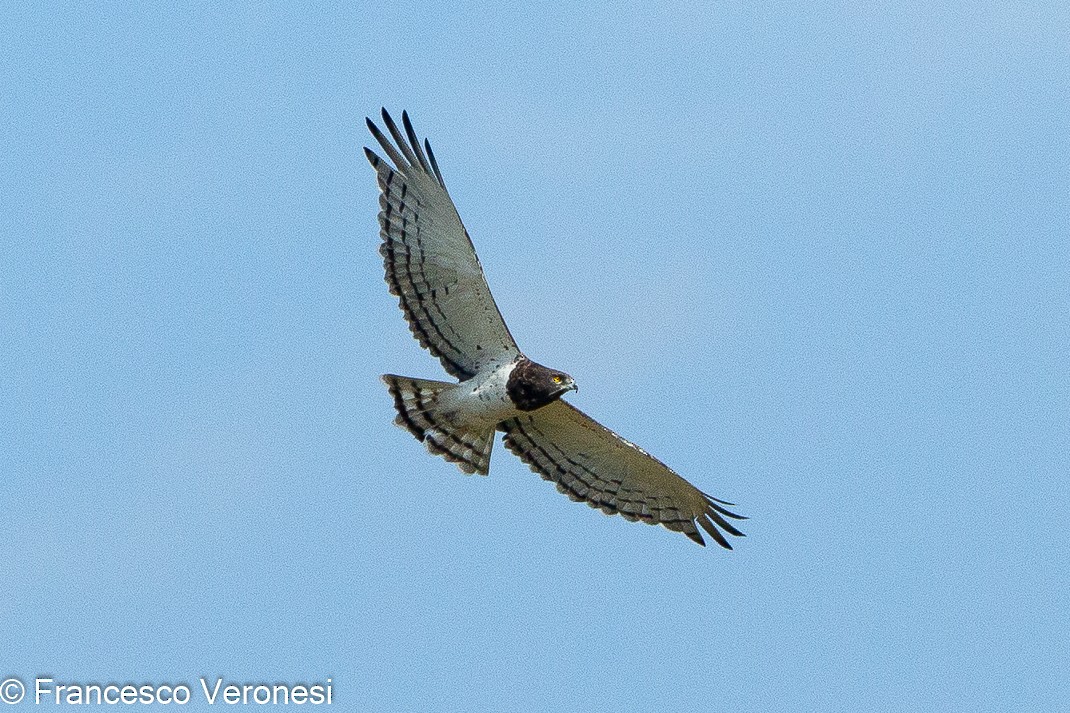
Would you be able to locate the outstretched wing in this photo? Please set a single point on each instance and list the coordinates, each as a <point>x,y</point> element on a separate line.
<point>593,464</point>
<point>431,264</point>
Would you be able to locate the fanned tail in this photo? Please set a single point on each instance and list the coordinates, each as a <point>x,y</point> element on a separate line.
<point>416,401</point>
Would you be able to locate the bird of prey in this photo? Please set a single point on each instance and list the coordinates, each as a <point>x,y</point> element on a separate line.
<point>433,270</point>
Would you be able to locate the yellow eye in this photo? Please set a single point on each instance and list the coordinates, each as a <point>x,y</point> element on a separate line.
<point>557,379</point>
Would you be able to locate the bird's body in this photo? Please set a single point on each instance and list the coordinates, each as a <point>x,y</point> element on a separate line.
<point>431,266</point>
<point>459,420</point>
<point>483,400</point>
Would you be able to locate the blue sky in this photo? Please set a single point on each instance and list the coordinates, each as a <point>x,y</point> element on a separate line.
<point>813,256</point>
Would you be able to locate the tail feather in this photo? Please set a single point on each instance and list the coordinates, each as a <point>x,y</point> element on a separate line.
<point>416,402</point>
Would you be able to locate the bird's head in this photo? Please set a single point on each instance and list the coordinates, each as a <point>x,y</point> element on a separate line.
<point>532,385</point>
<point>560,383</point>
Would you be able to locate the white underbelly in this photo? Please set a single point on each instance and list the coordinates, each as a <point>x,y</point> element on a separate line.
<point>480,401</point>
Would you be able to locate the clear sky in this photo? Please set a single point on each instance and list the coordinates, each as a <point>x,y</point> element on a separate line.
<point>814,256</point>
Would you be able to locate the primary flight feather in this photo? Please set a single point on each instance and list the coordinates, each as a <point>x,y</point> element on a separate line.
<point>432,268</point>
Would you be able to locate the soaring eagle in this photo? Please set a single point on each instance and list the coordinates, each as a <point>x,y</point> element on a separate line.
<point>432,268</point>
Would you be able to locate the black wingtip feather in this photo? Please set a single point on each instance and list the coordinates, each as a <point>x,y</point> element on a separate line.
<point>434,163</point>
<point>400,159</point>
<point>412,157</point>
<point>707,525</point>
<point>727,527</point>
<point>717,504</point>
<point>414,141</point>
<point>718,500</point>
<point>374,128</point>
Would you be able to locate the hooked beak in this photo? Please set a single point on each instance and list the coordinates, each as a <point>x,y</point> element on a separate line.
<point>565,388</point>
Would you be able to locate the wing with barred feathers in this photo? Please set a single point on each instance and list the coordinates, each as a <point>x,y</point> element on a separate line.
<point>431,264</point>
<point>593,464</point>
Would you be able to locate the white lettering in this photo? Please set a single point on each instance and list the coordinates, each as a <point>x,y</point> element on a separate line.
<point>39,689</point>
<point>74,694</point>
<point>183,689</point>
<point>180,694</point>
<point>215,690</point>
<point>91,689</point>
<point>231,694</point>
